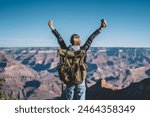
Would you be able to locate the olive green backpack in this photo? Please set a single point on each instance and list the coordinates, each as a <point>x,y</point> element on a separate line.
<point>72,68</point>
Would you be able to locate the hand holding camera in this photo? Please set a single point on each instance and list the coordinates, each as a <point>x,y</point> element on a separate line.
<point>103,24</point>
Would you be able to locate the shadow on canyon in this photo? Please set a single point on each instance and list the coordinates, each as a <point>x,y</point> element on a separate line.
<point>136,91</point>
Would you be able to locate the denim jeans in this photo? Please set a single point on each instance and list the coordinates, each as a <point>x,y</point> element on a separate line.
<point>76,92</point>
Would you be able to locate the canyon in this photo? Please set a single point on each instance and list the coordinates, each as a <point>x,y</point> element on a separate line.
<point>113,73</point>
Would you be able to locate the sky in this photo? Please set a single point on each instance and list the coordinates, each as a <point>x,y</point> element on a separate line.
<point>24,23</point>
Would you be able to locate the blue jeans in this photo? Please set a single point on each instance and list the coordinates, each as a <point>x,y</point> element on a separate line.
<point>76,92</point>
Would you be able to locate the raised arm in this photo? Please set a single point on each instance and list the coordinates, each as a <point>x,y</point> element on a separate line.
<point>57,35</point>
<point>93,35</point>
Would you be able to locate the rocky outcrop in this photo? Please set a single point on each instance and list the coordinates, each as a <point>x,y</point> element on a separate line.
<point>16,75</point>
<point>23,82</point>
<point>135,91</point>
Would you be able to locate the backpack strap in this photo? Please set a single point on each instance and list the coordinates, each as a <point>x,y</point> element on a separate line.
<point>65,57</point>
<point>82,58</point>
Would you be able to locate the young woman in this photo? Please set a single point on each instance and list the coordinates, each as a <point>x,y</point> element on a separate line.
<point>76,91</point>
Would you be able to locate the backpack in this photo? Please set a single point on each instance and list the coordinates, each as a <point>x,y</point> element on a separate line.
<point>72,68</point>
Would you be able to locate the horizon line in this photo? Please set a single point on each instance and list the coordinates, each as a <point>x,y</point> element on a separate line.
<point>59,47</point>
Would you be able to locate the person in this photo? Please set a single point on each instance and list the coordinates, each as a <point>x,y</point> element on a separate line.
<point>76,92</point>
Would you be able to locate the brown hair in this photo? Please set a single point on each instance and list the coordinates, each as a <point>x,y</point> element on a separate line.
<point>75,39</point>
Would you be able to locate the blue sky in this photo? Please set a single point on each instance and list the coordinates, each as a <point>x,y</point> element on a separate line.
<point>24,23</point>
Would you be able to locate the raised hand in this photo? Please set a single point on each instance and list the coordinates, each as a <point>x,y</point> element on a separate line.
<point>50,24</point>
